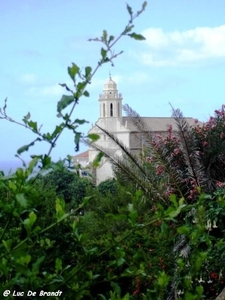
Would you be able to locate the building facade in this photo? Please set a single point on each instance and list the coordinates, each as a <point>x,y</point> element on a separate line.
<point>111,119</point>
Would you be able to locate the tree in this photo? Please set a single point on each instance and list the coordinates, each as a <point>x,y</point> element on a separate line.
<point>66,185</point>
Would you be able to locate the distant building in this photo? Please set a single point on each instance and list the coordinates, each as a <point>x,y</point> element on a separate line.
<point>82,158</point>
<point>81,162</point>
<point>111,119</point>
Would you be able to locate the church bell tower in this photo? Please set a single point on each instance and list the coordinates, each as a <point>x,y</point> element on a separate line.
<point>110,101</point>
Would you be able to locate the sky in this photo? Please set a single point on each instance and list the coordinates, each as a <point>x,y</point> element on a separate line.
<point>182,62</point>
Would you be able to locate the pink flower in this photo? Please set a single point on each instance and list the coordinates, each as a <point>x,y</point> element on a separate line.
<point>159,170</point>
<point>149,159</point>
<point>219,184</point>
<point>222,135</point>
<point>176,151</point>
<point>214,275</point>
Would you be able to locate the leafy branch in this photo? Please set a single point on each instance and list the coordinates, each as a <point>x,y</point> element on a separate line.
<point>81,78</point>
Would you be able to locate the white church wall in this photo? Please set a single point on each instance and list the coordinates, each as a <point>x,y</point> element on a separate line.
<point>104,172</point>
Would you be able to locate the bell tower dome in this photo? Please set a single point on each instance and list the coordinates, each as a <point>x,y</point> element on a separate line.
<point>110,100</point>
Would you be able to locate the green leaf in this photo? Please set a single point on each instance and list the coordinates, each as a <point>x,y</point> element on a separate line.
<point>94,137</point>
<point>47,136</point>
<point>199,290</point>
<point>120,261</point>
<point>144,5</point>
<point>21,200</point>
<point>103,53</point>
<point>46,161</point>
<point>64,102</point>
<point>77,140</point>
<point>80,90</point>
<point>33,126</point>
<point>133,215</point>
<point>136,36</point>
<point>164,228</point>
<point>60,209</point>
<point>58,265</point>
<point>37,264</point>
<point>86,200</point>
<point>81,86</point>
<point>7,244</point>
<point>88,71</point>
<point>138,195</point>
<point>28,223</point>
<point>86,94</point>
<point>33,163</point>
<point>163,279</point>
<point>32,218</point>
<point>73,71</point>
<point>183,230</point>
<point>172,213</point>
<point>129,9</point>
<point>57,130</point>
<point>130,207</point>
<point>173,199</point>
<point>200,259</point>
<point>24,260</point>
<point>189,296</point>
<point>26,147</point>
<point>27,117</point>
<point>80,121</point>
<point>104,36</point>
<point>12,186</point>
<point>111,38</point>
<point>97,159</point>
<point>128,29</point>
<point>65,86</point>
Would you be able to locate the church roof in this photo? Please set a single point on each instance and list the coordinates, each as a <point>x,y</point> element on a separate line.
<point>82,155</point>
<point>156,124</point>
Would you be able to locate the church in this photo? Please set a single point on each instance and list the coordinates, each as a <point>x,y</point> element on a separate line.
<point>111,119</point>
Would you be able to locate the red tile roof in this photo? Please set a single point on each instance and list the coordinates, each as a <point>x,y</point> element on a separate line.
<point>82,154</point>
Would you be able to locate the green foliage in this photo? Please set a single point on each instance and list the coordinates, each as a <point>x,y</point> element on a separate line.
<point>66,185</point>
<point>139,237</point>
<point>64,102</point>
<point>108,186</point>
<point>41,215</point>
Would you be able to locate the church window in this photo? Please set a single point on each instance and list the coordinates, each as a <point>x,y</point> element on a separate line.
<point>111,110</point>
<point>118,110</point>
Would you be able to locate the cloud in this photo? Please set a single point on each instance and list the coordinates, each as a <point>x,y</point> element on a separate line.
<point>137,78</point>
<point>48,90</point>
<point>199,45</point>
<point>28,78</point>
<point>36,86</point>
